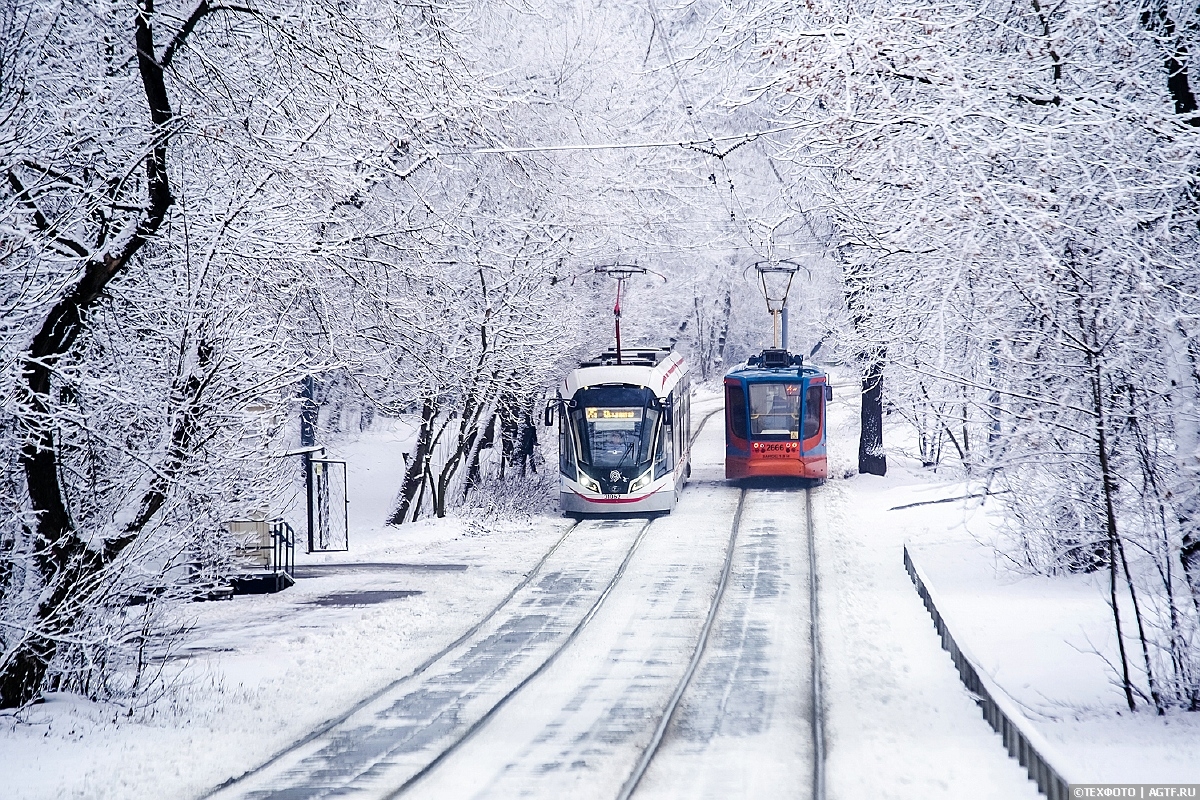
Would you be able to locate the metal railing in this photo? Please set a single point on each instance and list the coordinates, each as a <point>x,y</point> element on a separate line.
<point>1022,743</point>
<point>283,562</point>
<point>266,545</point>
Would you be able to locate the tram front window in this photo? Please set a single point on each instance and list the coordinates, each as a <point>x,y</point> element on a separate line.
<point>775,409</point>
<point>615,426</point>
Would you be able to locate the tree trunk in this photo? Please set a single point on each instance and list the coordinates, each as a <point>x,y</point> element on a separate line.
<point>487,440</point>
<point>723,330</point>
<point>1108,487</point>
<point>871,459</point>
<point>529,441</point>
<point>1158,21</point>
<point>63,558</point>
<point>414,473</point>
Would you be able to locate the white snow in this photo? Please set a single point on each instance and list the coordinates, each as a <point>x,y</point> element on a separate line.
<point>1049,643</point>
<point>261,672</point>
<point>1046,642</point>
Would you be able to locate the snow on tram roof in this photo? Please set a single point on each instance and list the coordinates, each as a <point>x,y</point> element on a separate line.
<point>659,368</point>
<point>757,372</point>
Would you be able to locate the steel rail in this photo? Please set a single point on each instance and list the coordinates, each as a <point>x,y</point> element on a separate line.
<point>483,720</point>
<point>330,724</point>
<point>478,724</point>
<point>817,697</point>
<point>703,422</point>
<point>818,717</point>
<point>639,770</point>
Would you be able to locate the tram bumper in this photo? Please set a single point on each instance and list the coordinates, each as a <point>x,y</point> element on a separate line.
<point>573,502</point>
<point>813,467</point>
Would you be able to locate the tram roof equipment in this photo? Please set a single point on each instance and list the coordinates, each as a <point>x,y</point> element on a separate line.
<point>775,277</point>
<point>629,356</point>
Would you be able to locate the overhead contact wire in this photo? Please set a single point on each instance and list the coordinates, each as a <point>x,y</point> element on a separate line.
<point>555,148</point>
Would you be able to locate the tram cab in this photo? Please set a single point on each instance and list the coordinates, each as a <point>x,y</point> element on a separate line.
<point>624,432</point>
<point>775,418</point>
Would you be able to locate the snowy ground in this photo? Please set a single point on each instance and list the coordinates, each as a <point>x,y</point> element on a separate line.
<point>899,722</point>
<point>263,672</point>
<point>1046,642</point>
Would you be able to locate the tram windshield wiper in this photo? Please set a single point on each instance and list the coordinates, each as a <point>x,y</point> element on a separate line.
<point>629,450</point>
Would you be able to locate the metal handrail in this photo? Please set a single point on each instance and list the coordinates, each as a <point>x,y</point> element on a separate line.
<point>283,539</point>
<point>1025,745</point>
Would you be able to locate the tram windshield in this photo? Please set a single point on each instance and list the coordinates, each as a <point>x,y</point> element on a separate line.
<point>775,409</point>
<point>615,425</point>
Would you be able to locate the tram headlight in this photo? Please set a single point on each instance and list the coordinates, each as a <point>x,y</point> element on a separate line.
<point>588,481</point>
<point>641,481</point>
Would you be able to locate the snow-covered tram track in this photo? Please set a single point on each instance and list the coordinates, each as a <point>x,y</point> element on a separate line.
<point>698,679</point>
<point>591,725</point>
<point>746,717</point>
<point>385,742</point>
<point>580,729</point>
<point>579,682</point>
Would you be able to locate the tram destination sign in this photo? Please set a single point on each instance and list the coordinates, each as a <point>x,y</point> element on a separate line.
<point>613,414</point>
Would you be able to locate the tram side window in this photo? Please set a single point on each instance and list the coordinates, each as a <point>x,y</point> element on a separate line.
<point>775,409</point>
<point>684,423</point>
<point>665,454</point>
<point>566,448</point>
<point>735,407</point>
<point>687,416</point>
<point>678,422</point>
<point>813,404</point>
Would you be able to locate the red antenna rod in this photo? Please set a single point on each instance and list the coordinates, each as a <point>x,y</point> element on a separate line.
<point>617,316</point>
<point>622,273</point>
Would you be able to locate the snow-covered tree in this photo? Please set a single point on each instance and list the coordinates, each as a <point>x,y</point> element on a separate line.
<point>1012,186</point>
<point>171,172</point>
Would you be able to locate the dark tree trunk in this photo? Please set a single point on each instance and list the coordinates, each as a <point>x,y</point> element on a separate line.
<point>62,557</point>
<point>723,330</point>
<point>1108,485</point>
<point>529,441</point>
<point>475,473</point>
<point>1156,19</point>
<point>415,470</point>
<point>464,449</point>
<point>1189,555</point>
<point>871,459</point>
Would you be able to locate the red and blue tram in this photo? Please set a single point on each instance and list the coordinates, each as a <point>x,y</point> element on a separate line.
<point>624,432</point>
<point>775,418</point>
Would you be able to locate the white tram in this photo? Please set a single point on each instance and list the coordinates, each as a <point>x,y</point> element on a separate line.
<point>624,432</point>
